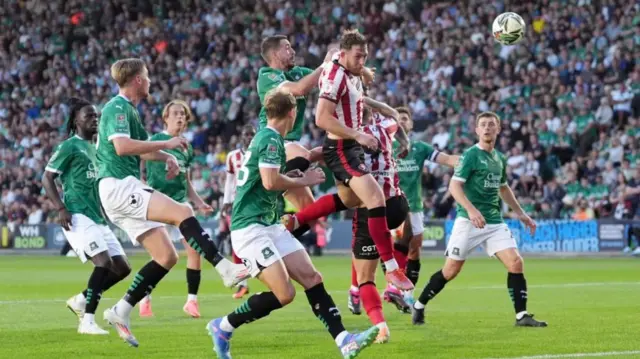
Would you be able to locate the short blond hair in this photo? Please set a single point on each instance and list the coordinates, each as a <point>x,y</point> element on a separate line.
<point>278,103</point>
<point>185,106</point>
<point>124,70</point>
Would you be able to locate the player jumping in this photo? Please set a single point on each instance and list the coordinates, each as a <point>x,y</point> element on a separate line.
<point>233,164</point>
<point>138,209</point>
<point>339,112</point>
<point>478,184</point>
<point>79,215</point>
<point>176,115</point>
<point>270,252</point>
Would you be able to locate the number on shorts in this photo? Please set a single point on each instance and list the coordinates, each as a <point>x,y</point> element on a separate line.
<point>243,174</point>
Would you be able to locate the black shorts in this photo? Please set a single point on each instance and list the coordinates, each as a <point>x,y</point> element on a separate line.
<point>362,244</point>
<point>345,159</point>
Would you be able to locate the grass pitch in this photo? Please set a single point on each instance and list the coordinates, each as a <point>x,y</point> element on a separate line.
<point>591,305</point>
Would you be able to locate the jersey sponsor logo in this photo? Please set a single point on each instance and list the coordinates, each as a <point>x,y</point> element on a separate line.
<point>492,180</point>
<point>267,253</point>
<point>135,200</point>
<point>371,248</point>
<point>92,172</point>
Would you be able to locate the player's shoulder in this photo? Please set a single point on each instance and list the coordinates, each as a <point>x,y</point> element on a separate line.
<point>501,155</point>
<point>233,153</point>
<point>422,146</point>
<point>332,71</point>
<point>265,135</point>
<point>270,74</point>
<point>117,103</point>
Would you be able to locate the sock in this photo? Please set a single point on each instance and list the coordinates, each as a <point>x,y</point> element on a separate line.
<point>413,270</point>
<point>235,257</point>
<point>199,240</point>
<point>94,289</point>
<point>371,302</point>
<point>110,280</point>
<point>191,297</point>
<point>517,285</point>
<point>123,308</point>
<point>257,306</point>
<point>325,309</point>
<point>435,285</point>
<point>322,207</point>
<point>89,318</point>
<point>400,252</point>
<point>383,267</point>
<point>144,282</point>
<point>381,236</point>
<point>193,281</point>
<point>300,231</point>
<point>354,276</point>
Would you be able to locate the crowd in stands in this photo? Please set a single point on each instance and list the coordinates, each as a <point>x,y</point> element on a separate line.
<point>568,94</point>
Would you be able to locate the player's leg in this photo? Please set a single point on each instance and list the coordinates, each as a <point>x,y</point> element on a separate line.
<point>502,244</point>
<point>415,232</point>
<point>254,244</point>
<point>193,272</point>
<point>165,210</point>
<point>354,291</point>
<point>301,270</point>
<point>298,158</point>
<point>397,211</point>
<point>460,245</point>
<point>243,286</point>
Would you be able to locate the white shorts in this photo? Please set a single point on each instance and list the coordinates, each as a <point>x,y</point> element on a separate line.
<point>125,202</point>
<point>417,223</point>
<point>259,246</point>
<point>465,238</point>
<point>87,238</point>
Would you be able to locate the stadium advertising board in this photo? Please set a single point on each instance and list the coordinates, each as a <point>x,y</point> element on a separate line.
<point>433,237</point>
<point>24,236</point>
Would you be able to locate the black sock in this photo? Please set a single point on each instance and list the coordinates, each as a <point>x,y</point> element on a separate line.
<point>435,285</point>
<point>193,280</point>
<point>339,206</point>
<point>383,267</point>
<point>413,270</point>
<point>517,291</point>
<point>111,279</point>
<point>257,306</point>
<point>300,231</point>
<point>199,240</point>
<point>325,309</point>
<point>144,282</point>
<point>94,288</point>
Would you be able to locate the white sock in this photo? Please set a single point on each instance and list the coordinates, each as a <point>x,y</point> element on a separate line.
<point>88,318</point>
<point>191,297</point>
<point>81,297</point>
<point>520,315</point>
<point>223,265</point>
<point>340,337</point>
<point>408,293</point>
<point>381,325</point>
<point>391,265</point>
<point>226,326</point>
<point>354,289</point>
<point>242,284</point>
<point>146,298</point>
<point>123,308</point>
<point>418,305</point>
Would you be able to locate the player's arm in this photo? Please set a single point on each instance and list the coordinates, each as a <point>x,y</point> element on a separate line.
<point>56,166</point>
<point>147,150</point>
<point>193,196</point>
<point>382,108</point>
<point>326,121</point>
<point>456,186</point>
<point>270,157</point>
<point>303,86</point>
<point>447,160</point>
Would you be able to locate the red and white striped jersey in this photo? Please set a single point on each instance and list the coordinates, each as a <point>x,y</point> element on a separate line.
<point>339,86</point>
<point>234,161</point>
<point>382,165</point>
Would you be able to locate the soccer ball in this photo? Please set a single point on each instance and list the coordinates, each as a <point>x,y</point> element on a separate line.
<point>508,28</point>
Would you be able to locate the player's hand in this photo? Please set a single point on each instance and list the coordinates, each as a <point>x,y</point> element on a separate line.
<point>314,176</point>
<point>173,169</point>
<point>178,142</point>
<point>64,219</point>
<point>477,219</point>
<point>528,222</point>
<point>294,173</point>
<point>204,208</point>
<point>368,75</point>
<point>367,141</point>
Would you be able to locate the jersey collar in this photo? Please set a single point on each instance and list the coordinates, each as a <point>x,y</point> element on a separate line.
<point>125,98</point>
<point>347,72</point>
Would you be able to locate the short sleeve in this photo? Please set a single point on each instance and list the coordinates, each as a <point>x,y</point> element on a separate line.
<point>428,152</point>
<point>333,83</point>
<point>116,123</point>
<point>59,161</point>
<point>463,171</point>
<point>229,162</point>
<point>267,81</point>
<point>306,71</point>
<point>271,153</point>
<point>389,125</point>
<point>504,179</point>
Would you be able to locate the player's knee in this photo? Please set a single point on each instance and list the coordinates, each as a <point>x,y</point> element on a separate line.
<point>168,259</point>
<point>286,295</point>
<point>515,264</point>
<point>181,212</point>
<point>414,253</point>
<point>451,269</point>
<point>122,270</point>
